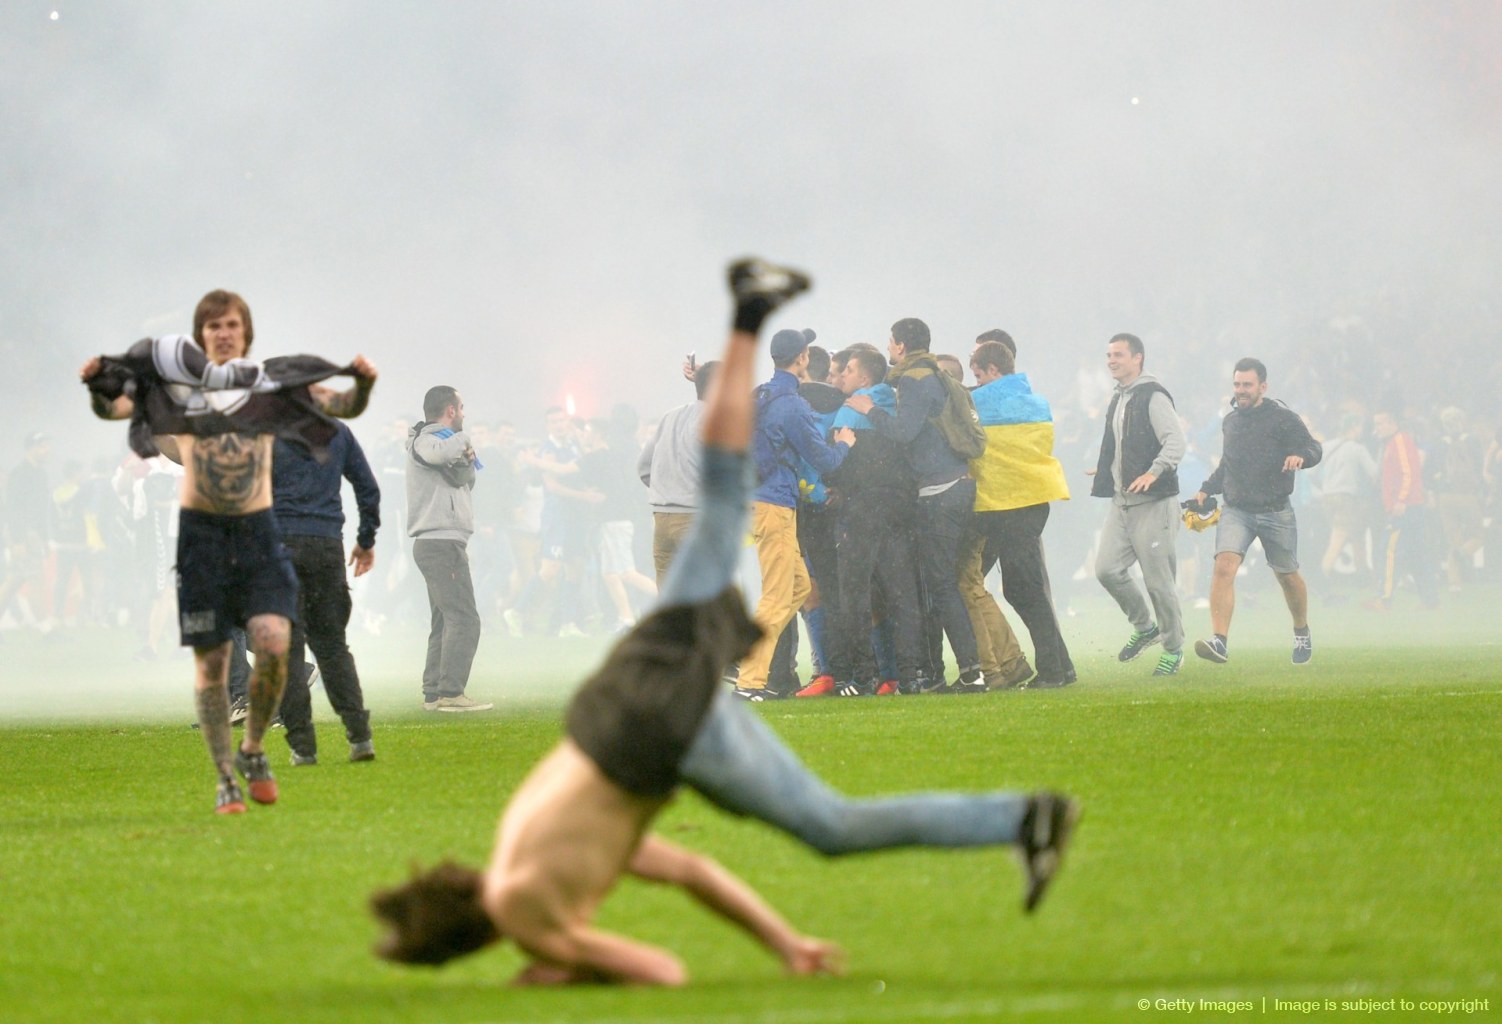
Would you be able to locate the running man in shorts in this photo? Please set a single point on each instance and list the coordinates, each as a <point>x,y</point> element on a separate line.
<point>200,402</point>
<point>655,716</point>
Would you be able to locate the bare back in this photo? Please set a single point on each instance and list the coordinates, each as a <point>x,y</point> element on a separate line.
<point>566,838</point>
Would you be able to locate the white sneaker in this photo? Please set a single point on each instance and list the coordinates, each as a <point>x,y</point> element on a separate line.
<point>513,621</point>
<point>462,703</point>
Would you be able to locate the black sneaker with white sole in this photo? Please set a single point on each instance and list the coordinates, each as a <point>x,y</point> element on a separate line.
<point>758,694</point>
<point>854,688</point>
<point>759,288</point>
<point>1047,825</point>
<point>970,681</point>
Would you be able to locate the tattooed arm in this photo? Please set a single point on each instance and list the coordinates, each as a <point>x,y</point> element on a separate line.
<point>351,403</point>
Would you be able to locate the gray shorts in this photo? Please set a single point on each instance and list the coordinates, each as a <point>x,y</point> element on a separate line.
<point>1278,532</point>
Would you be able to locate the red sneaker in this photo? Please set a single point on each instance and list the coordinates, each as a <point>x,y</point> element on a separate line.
<point>229,799</point>
<point>887,688</point>
<point>258,777</point>
<point>822,686</point>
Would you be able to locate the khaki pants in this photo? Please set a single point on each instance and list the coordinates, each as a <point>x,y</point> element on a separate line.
<point>668,531</point>
<point>994,639</point>
<point>784,585</point>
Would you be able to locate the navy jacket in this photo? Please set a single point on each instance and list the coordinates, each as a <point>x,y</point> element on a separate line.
<point>305,492</point>
<point>920,397</point>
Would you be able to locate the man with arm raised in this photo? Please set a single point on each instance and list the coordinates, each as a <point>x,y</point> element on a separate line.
<point>200,402</point>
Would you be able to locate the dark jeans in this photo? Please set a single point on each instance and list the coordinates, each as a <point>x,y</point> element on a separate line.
<point>942,519</point>
<point>322,616</point>
<point>1015,539</point>
<point>455,632</point>
<point>875,550</point>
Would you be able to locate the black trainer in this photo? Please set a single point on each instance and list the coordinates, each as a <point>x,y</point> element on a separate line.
<point>758,694</point>
<point>1047,825</point>
<point>856,689</point>
<point>753,279</point>
<point>970,681</point>
<point>1140,642</point>
<point>1067,679</point>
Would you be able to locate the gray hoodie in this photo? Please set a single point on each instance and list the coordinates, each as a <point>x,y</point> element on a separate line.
<point>439,479</point>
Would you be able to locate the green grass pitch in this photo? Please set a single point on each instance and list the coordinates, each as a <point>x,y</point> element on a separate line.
<point>1253,832</point>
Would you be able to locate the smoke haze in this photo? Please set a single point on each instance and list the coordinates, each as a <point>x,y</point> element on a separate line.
<point>535,199</point>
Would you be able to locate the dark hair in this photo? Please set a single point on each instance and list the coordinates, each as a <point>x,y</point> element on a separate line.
<point>1255,365</point>
<point>872,363</point>
<point>912,334</point>
<point>438,398</point>
<point>434,917</point>
<point>215,304</point>
<point>997,334</point>
<point>994,355</point>
<point>704,377</point>
<point>1133,344</point>
<point>818,362</point>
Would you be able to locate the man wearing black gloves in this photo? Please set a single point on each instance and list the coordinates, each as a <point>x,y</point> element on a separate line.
<point>305,498</point>
<point>1265,442</point>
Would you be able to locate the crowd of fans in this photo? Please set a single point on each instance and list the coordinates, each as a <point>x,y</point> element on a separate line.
<point>563,542</point>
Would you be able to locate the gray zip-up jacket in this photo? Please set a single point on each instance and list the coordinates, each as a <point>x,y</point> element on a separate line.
<point>439,479</point>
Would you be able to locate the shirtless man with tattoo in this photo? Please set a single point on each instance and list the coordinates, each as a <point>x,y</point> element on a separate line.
<point>231,566</point>
<point>656,716</point>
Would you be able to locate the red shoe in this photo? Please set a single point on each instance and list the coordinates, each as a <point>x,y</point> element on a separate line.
<point>822,686</point>
<point>229,800</point>
<point>887,689</point>
<point>258,777</point>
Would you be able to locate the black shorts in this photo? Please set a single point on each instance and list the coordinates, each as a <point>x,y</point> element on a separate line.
<point>637,716</point>
<point>230,568</point>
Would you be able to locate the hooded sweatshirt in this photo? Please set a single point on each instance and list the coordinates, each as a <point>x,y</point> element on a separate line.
<point>439,480</point>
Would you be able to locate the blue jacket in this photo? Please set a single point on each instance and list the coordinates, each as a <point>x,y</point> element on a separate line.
<point>786,431</point>
<point>305,493</point>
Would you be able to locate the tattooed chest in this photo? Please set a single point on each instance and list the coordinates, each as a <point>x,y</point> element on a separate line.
<point>231,472</point>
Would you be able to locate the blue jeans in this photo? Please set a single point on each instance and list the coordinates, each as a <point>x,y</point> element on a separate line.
<point>740,765</point>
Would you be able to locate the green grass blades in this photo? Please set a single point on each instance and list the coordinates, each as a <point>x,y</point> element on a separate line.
<point>1252,833</point>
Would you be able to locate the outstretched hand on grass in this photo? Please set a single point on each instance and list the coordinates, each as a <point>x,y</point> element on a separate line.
<point>808,955</point>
